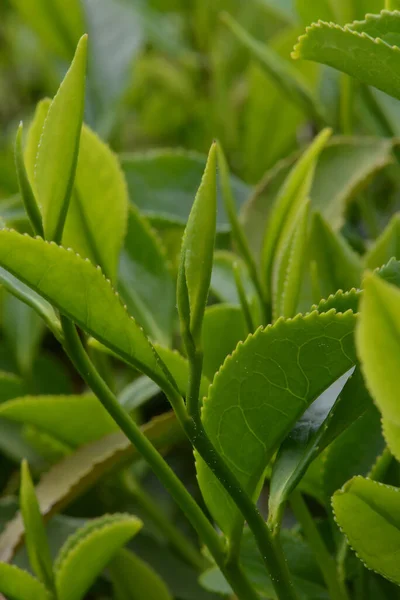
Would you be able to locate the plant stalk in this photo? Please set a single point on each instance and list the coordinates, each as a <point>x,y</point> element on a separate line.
<point>78,356</point>
<point>325,561</point>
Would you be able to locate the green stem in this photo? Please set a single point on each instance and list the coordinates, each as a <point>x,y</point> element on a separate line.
<point>179,542</point>
<point>74,349</point>
<point>325,561</point>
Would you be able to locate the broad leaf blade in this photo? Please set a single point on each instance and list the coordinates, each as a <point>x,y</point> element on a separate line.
<point>372,61</point>
<point>85,554</point>
<point>133,579</point>
<point>35,534</point>
<point>20,585</point>
<point>59,146</point>
<point>378,345</point>
<point>386,246</point>
<point>262,390</point>
<point>368,513</point>
<point>81,292</point>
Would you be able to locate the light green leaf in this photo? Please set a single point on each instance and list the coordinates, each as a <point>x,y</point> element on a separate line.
<point>351,49</point>
<point>197,253</point>
<point>59,146</point>
<point>280,70</point>
<point>35,534</point>
<point>96,221</point>
<point>17,584</point>
<point>291,198</point>
<point>135,394</point>
<point>378,346</point>
<point>133,579</point>
<point>23,329</point>
<point>386,246</point>
<point>262,390</point>
<point>78,472</point>
<point>86,553</point>
<point>145,280</point>
<point>225,323</point>
<point>33,138</point>
<point>74,420</point>
<point>287,274</point>
<point>81,292</point>
<point>368,512</point>
<point>28,196</point>
<point>57,28</point>
<point>163,183</point>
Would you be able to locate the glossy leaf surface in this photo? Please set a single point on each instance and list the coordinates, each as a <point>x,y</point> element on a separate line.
<point>20,585</point>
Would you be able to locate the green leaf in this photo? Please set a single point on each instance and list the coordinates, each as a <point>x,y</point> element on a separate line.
<point>17,584</point>
<point>57,28</point>
<point>97,229</point>
<point>308,438</point>
<point>287,275</point>
<point>358,159</point>
<point>280,70</point>
<point>35,534</point>
<point>133,579</point>
<point>197,253</point>
<point>135,394</point>
<point>86,553</point>
<point>378,335</point>
<point>341,302</point>
<point>78,472</point>
<point>74,420</point>
<point>262,390</point>
<point>339,268</point>
<point>225,323</point>
<point>163,183</point>
<point>291,198</point>
<point>81,292</point>
<point>28,197</point>
<point>33,138</point>
<point>386,246</point>
<point>145,278</point>
<point>368,513</point>
<point>354,452</point>
<point>59,146</point>
<point>354,50</point>
<point>25,294</point>
<point>11,386</point>
<point>23,330</point>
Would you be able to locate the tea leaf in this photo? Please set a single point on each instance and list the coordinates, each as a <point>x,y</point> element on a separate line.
<point>135,394</point>
<point>225,323</point>
<point>97,229</point>
<point>287,272</point>
<point>35,534</point>
<point>368,513</point>
<point>81,292</point>
<point>386,246</point>
<point>144,278</point>
<point>86,553</point>
<point>20,585</point>
<point>197,253</point>
<point>11,386</point>
<point>290,200</point>
<point>74,420</point>
<point>262,390</point>
<point>28,197</point>
<point>78,472</point>
<point>59,146</point>
<point>163,183</point>
<point>351,49</point>
<point>322,422</point>
<point>378,344</point>
<point>133,579</point>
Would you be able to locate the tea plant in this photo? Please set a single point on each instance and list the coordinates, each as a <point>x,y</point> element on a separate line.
<point>265,316</point>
